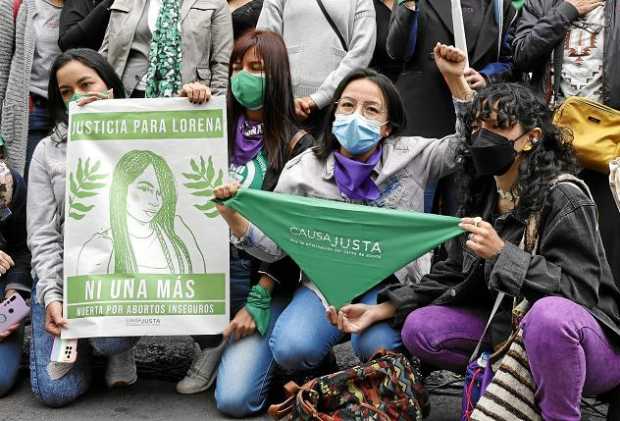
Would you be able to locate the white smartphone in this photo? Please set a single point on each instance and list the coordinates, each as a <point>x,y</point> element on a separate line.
<point>64,350</point>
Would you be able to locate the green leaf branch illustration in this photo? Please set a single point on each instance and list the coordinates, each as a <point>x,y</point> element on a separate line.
<point>83,184</point>
<point>202,180</point>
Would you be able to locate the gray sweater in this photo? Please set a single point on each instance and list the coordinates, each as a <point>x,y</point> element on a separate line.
<point>15,68</point>
<point>46,214</point>
<point>318,62</point>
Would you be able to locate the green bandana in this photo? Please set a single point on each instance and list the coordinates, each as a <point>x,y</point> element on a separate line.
<point>249,89</point>
<point>345,249</point>
<point>259,306</point>
<point>166,53</point>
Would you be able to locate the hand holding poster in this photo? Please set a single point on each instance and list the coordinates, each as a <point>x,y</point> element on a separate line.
<point>145,250</point>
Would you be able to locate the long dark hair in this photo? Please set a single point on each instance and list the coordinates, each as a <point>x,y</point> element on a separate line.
<point>278,106</point>
<point>394,104</point>
<point>90,58</point>
<point>551,156</point>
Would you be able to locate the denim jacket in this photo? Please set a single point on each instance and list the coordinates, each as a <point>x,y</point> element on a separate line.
<point>570,262</point>
<point>406,166</point>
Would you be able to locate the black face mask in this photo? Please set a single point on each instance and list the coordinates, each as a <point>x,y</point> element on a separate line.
<point>492,154</point>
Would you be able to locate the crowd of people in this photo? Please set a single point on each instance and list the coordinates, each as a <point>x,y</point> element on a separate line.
<point>362,101</point>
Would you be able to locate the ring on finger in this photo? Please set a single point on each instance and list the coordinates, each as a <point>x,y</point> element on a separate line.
<point>477,221</point>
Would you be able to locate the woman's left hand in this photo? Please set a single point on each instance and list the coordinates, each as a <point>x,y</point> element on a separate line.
<point>352,318</point>
<point>242,325</point>
<point>483,239</point>
<point>196,92</point>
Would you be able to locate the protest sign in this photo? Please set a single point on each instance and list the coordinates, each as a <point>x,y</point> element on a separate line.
<point>146,252</point>
<point>345,249</point>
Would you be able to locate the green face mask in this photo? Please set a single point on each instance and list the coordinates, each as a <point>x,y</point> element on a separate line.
<point>249,89</point>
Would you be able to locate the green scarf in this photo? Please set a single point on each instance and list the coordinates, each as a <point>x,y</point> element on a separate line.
<point>345,249</point>
<point>166,53</point>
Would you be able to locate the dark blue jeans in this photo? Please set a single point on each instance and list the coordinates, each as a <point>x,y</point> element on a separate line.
<point>10,355</point>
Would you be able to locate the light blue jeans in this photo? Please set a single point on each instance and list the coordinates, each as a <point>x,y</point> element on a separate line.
<point>61,392</point>
<point>10,356</point>
<point>246,369</point>
<point>303,336</point>
<point>299,338</point>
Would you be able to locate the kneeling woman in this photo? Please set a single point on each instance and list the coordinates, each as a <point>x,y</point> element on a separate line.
<point>572,330</point>
<point>363,160</point>
<point>76,73</point>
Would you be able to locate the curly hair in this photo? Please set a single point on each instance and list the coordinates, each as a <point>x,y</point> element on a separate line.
<point>551,156</point>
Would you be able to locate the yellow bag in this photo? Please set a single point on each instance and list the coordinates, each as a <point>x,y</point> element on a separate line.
<point>596,131</point>
<point>614,180</point>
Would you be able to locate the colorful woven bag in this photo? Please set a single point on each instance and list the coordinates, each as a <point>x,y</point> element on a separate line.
<point>387,388</point>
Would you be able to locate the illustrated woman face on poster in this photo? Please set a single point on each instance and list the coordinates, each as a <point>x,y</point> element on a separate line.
<point>145,195</point>
<point>146,235</point>
<point>143,203</point>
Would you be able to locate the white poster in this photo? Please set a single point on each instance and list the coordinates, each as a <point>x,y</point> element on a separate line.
<point>146,252</point>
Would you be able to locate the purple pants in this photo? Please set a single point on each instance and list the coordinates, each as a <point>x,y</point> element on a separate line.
<point>569,353</point>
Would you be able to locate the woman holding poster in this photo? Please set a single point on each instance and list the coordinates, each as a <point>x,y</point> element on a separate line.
<point>361,159</point>
<point>262,137</point>
<point>76,75</point>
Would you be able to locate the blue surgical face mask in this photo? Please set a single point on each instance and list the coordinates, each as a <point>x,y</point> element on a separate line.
<point>355,133</point>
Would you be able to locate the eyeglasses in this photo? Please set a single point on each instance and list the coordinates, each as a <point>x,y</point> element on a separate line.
<point>370,110</point>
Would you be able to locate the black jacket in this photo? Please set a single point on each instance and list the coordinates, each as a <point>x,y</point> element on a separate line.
<point>83,23</point>
<point>540,33</point>
<point>13,240</point>
<point>570,262</point>
<point>426,97</point>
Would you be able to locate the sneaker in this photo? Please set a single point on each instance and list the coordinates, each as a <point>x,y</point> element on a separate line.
<point>202,372</point>
<point>121,370</point>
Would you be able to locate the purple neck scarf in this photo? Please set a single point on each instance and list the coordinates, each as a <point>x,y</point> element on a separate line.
<point>248,141</point>
<point>353,177</point>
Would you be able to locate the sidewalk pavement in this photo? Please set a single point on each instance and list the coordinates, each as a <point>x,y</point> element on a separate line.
<point>161,362</point>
